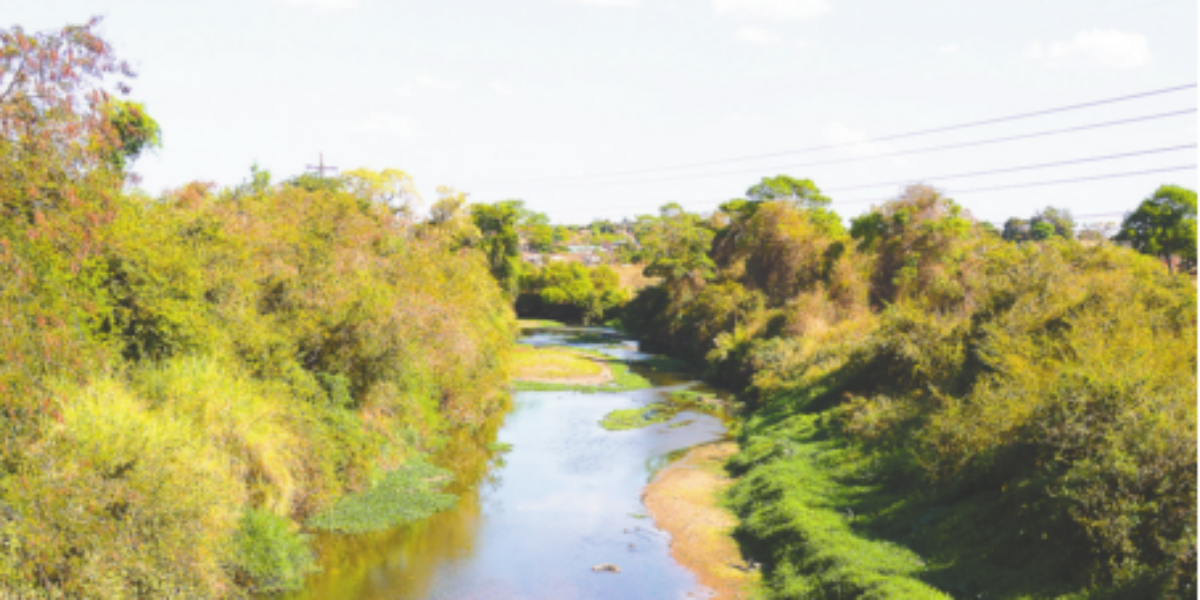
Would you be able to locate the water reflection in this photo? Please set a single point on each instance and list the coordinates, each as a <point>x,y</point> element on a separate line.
<point>566,498</point>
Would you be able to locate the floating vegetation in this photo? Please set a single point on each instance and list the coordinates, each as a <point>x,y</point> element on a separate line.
<point>409,493</point>
<point>633,418</point>
<point>661,412</point>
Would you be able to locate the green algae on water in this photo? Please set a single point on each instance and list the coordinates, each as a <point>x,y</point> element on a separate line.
<point>409,493</point>
<point>633,418</point>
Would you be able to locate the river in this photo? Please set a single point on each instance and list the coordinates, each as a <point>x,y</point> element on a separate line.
<point>533,521</point>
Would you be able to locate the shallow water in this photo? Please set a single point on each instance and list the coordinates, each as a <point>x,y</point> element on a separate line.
<point>533,522</point>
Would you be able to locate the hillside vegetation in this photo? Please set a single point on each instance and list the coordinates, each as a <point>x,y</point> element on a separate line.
<point>936,410</point>
<point>187,378</point>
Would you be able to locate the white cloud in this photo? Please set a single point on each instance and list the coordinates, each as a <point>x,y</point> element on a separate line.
<point>1096,47</point>
<point>774,10</point>
<point>949,49</point>
<point>386,124</point>
<point>325,4</point>
<point>608,3</point>
<point>443,85</point>
<point>405,91</point>
<point>838,133</point>
<point>756,36</point>
<point>503,89</point>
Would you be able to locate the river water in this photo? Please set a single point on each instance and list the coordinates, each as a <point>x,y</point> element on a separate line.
<point>532,522</point>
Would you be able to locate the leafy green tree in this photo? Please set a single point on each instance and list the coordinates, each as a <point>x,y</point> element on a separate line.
<point>1164,225</point>
<point>1042,230</point>
<point>782,187</point>
<point>501,241</point>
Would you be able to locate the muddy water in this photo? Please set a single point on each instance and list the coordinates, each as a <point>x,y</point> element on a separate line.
<point>533,522</point>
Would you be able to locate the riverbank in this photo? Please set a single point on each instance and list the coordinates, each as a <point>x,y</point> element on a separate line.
<point>684,500</point>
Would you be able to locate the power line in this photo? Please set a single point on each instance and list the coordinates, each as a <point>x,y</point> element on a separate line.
<point>954,146</point>
<point>1045,165</point>
<point>1062,163</point>
<point>886,138</point>
<point>1014,186</point>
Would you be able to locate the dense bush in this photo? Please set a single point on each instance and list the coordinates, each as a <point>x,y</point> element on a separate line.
<point>188,377</point>
<point>925,368</point>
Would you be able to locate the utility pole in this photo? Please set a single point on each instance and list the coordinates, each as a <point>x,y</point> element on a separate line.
<point>321,168</point>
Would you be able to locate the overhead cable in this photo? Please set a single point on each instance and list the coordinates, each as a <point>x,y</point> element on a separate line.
<point>927,149</point>
<point>897,136</point>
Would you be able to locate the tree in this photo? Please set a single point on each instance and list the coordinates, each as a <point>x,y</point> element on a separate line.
<point>1164,225</point>
<point>135,131</point>
<point>450,219</point>
<point>917,241</point>
<point>1042,230</point>
<point>60,124</point>
<point>782,187</point>
<point>677,245</point>
<point>391,187</point>
<point>501,242</point>
<point>1016,230</point>
<point>1058,218</point>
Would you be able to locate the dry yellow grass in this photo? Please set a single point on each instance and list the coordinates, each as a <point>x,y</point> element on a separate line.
<point>631,277</point>
<point>683,501</point>
<point>558,365</point>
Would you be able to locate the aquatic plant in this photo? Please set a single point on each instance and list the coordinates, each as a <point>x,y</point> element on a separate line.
<point>406,494</point>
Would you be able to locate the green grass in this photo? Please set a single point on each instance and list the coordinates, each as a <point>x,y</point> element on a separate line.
<point>409,493</point>
<point>799,519</point>
<point>829,518</point>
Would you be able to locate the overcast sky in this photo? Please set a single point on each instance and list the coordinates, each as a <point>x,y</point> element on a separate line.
<point>575,105</point>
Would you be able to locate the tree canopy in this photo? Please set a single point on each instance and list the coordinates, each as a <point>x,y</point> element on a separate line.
<point>1164,225</point>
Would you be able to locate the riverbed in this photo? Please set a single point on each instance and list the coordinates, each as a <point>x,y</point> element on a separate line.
<point>533,521</point>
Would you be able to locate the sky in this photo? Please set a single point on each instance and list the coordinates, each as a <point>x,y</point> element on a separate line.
<point>591,109</point>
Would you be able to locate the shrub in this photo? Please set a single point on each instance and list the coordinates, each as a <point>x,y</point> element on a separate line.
<point>269,554</point>
<point>119,500</point>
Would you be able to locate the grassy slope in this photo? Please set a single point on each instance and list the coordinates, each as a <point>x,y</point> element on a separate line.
<point>828,522</point>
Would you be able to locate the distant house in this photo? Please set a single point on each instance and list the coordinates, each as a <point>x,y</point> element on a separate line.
<point>533,258</point>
